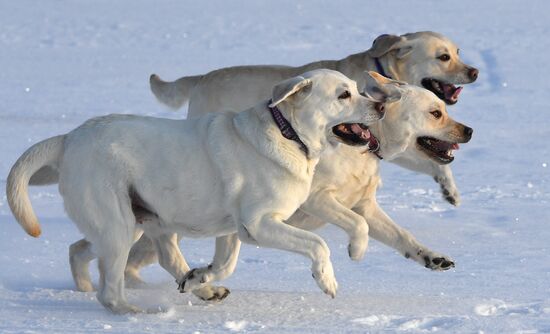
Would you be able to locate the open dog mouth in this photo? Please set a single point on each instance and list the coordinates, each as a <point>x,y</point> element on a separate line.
<point>356,134</point>
<point>439,150</point>
<point>445,91</point>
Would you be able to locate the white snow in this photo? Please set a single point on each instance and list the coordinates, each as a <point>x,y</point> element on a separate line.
<point>65,61</point>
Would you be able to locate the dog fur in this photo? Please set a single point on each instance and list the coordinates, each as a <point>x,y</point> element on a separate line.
<point>223,175</point>
<point>410,58</point>
<point>342,193</point>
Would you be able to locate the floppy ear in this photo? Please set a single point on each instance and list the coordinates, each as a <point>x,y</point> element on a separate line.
<point>386,43</point>
<point>382,89</point>
<point>288,87</point>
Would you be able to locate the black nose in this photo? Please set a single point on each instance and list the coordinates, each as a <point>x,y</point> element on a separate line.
<point>472,73</point>
<point>468,132</point>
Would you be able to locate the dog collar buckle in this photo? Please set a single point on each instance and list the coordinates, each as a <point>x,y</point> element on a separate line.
<point>286,128</point>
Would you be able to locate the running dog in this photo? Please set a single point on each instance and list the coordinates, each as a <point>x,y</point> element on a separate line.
<point>425,59</point>
<point>219,175</point>
<point>343,189</point>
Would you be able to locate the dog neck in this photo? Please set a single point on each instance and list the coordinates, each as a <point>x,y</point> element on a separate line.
<point>387,66</point>
<point>286,128</point>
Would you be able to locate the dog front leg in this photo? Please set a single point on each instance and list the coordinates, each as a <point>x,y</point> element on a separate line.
<point>171,259</point>
<point>385,230</point>
<point>269,230</point>
<point>326,207</point>
<point>223,265</point>
<point>442,174</point>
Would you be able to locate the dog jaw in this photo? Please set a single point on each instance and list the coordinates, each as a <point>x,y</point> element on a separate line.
<point>438,150</point>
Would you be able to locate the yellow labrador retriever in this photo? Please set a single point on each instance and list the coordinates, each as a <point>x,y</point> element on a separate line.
<point>219,175</point>
<point>342,193</point>
<point>425,59</point>
<point>344,186</point>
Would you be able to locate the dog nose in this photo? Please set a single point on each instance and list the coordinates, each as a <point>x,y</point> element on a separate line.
<point>472,73</point>
<point>468,131</point>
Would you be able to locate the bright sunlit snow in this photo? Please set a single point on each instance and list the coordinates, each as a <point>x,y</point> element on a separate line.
<point>62,62</point>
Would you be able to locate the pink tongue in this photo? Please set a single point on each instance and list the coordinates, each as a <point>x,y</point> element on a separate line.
<point>455,146</point>
<point>364,134</point>
<point>450,93</point>
<point>456,93</point>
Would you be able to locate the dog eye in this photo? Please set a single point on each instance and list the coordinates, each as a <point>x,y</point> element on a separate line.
<point>444,57</point>
<point>436,113</point>
<point>345,95</point>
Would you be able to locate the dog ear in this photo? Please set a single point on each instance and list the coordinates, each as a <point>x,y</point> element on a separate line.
<point>382,89</point>
<point>289,87</point>
<point>386,43</point>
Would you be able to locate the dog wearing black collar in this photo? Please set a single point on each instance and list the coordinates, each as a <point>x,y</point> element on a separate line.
<point>228,175</point>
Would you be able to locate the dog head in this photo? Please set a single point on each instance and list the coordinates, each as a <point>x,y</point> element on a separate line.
<point>418,121</point>
<point>325,104</point>
<point>426,59</point>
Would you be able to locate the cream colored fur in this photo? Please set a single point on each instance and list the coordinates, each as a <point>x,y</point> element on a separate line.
<point>410,58</point>
<point>344,187</point>
<point>220,175</point>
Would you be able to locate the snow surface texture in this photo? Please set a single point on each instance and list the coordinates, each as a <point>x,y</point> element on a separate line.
<point>65,61</point>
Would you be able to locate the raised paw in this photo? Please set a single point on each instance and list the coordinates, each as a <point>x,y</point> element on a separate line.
<point>438,263</point>
<point>448,191</point>
<point>359,241</point>
<point>357,249</point>
<point>212,293</point>
<point>451,197</point>
<point>324,276</point>
<point>432,260</point>
<point>193,279</point>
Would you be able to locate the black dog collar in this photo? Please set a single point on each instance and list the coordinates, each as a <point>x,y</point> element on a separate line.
<point>379,68</point>
<point>286,128</point>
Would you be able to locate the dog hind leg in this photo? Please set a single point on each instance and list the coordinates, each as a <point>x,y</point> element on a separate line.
<point>142,254</point>
<point>108,223</point>
<point>80,255</point>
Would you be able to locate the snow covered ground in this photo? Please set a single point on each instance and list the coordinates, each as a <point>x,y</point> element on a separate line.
<point>65,61</point>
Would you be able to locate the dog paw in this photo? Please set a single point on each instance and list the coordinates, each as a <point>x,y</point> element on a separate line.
<point>193,279</point>
<point>357,249</point>
<point>448,191</point>
<point>432,260</point>
<point>212,293</point>
<point>123,308</point>
<point>439,263</point>
<point>84,285</point>
<point>451,197</point>
<point>324,276</point>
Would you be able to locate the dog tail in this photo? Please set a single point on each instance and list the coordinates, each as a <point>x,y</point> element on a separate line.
<point>173,94</point>
<point>42,159</point>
